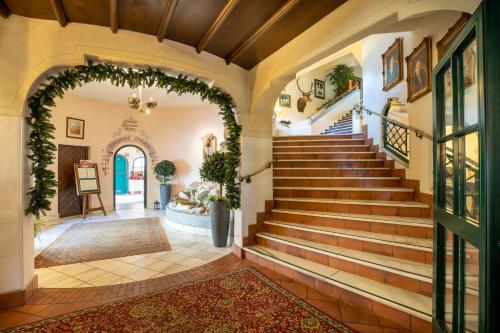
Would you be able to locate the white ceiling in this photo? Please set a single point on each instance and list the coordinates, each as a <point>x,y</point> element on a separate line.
<point>105,91</point>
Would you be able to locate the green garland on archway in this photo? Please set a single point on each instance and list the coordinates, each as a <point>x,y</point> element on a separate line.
<point>42,130</point>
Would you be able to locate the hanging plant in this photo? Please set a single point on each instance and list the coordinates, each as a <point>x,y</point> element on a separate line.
<point>339,78</point>
<point>42,153</point>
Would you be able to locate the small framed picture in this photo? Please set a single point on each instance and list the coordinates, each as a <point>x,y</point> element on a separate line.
<point>319,89</point>
<point>419,64</point>
<point>285,100</point>
<point>392,64</point>
<point>75,128</point>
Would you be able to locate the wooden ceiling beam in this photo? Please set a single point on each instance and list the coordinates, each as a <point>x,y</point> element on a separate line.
<point>113,15</point>
<point>59,11</point>
<point>4,10</point>
<point>165,21</point>
<point>278,15</point>
<point>228,8</point>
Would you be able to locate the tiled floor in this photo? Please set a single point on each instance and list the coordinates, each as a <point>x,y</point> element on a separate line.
<point>191,247</point>
<point>48,303</point>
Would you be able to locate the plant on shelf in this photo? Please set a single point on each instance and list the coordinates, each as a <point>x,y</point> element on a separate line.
<point>164,170</point>
<point>213,169</point>
<point>339,78</point>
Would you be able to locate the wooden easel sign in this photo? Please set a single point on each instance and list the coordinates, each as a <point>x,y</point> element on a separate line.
<point>87,183</point>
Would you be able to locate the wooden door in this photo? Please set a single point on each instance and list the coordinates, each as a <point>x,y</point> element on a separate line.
<point>121,175</point>
<point>69,203</point>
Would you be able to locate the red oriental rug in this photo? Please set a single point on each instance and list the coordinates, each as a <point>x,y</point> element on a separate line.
<point>238,301</point>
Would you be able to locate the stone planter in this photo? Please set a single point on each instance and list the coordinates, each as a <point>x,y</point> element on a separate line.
<point>165,192</point>
<point>219,219</point>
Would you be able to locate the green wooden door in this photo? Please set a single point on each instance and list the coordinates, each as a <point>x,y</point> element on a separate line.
<point>121,175</point>
<point>462,266</point>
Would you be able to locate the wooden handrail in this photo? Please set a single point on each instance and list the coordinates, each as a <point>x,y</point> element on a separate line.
<point>248,178</point>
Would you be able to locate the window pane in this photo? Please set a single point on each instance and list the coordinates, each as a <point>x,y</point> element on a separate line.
<point>447,174</point>
<point>448,293</point>
<point>471,304</point>
<point>448,102</point>
<point>471,99</point>
<point>471,187</point>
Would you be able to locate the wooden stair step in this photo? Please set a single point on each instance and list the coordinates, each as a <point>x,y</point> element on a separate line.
<point>357,193</point>
<point>411,303</point>
<point>406,274</point>
<point>376,207</point>
<point>356,155</point>
<point>326,142</point>
<point>312,149</point>
<point>331,172</point>
<point>330,163</point>
<point>313,137</point>
<point>337,181</point>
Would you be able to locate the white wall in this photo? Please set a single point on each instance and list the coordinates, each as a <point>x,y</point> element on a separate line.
<point>174,133</point>
<point>420,111</point>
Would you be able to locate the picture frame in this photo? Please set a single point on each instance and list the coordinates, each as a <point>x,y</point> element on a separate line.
<point>443,43</point>
<point>418,70</point>
<point>285,100</point>
<point>392,65</point>
<point>75,128</point>
<point>319,89</point>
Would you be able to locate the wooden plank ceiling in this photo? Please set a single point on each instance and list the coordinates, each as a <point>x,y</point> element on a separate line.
<point>243,32</point>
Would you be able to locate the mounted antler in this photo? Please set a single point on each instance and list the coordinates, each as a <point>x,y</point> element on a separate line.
<point>306,97</point>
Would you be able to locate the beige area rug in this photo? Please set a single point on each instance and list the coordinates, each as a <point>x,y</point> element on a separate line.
<point>104,240</point>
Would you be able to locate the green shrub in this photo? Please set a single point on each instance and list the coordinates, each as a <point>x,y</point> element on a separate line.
<point>213,169</point>
<point>339,78</point>
<point>164,170</point>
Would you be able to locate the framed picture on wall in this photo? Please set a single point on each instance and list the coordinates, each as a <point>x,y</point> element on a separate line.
<point>285,100</point>
<point>75,128</point>
<point>392,65</point>
<point>443,43</point>
<point>319,89</point>
<point>418,75</point>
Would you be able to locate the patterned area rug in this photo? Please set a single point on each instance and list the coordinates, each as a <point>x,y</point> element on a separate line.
<point>239,301</point>
<point>91,241</point>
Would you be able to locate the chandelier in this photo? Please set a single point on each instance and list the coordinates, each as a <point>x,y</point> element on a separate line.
<point>137,103</point>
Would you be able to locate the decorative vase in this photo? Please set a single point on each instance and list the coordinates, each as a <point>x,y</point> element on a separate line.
<point>219,219</point>
<point>165,191</point>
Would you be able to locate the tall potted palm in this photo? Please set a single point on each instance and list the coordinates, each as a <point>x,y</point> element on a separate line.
<point>213,169</point>
<point>164,170</point>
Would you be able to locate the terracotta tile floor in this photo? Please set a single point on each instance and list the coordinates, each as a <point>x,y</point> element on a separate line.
<point>50,302</point>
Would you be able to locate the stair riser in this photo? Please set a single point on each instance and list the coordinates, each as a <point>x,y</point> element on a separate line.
<point>321,149</point>
<point>343,131</point>
<point>316,137</point>
<point>381,310</point>
<point>342,125</point>
<point>324,156</point>
<point>373,209</point>
<point>350,224</point>
<point>329,164</point>
<point>333,173</point>
<point>391,278</point>
<point>320,143</point>
<point>351,194</point>
<point>369,246</point>
<point>338,182</point>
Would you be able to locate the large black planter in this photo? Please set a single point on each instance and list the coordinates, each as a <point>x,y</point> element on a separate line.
<point>219,218</point>
<point>165,191</point>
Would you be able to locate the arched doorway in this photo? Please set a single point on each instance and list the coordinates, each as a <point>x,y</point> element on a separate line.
<point>129,178</point>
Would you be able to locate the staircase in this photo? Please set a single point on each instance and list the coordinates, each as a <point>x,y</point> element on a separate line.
<point>342,126</point>
<point>342,222</point>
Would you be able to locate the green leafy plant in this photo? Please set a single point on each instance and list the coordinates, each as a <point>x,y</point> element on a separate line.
<point>339,78</point>
<point>218,198</point>
<point>42,149</point>
<point>37,226</point>
<point>213,169</point>
<point>164,170</point>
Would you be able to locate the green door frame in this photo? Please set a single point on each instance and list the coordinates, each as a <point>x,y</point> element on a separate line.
<point>484,26</point>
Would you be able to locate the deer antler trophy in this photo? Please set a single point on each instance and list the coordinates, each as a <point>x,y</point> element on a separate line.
<point>306,97</point>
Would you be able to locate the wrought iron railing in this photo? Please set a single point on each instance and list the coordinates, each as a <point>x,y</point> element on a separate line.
<point>395,134</point>
<point>395,139</point>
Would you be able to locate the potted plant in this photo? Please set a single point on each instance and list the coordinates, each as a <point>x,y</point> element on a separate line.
<point>163,171</point>
<point>213,169</point>
<point>339,78</point>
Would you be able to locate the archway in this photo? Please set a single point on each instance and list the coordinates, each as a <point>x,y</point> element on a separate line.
<point>130,178</point>
<point>42,149</point>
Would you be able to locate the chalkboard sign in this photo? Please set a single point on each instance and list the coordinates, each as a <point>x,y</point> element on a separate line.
<point>87,179</point>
